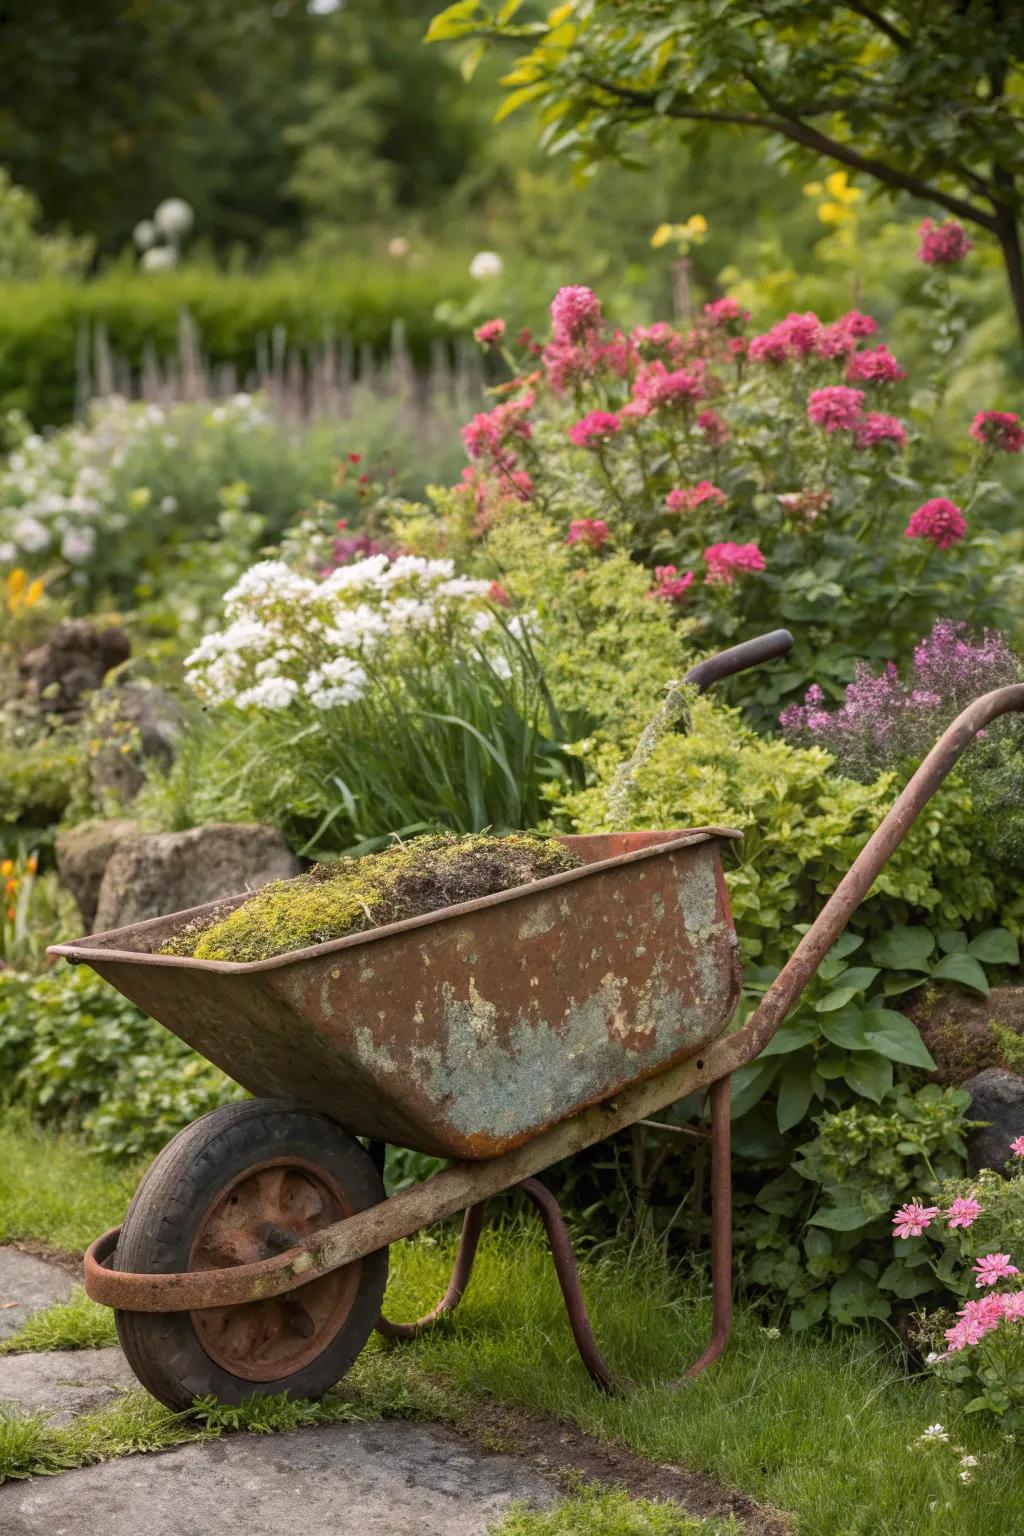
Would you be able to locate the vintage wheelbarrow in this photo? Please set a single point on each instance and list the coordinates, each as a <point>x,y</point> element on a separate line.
<point>504,1033</point>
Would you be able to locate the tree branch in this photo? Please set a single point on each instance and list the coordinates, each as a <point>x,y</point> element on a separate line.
<point>876,19</point>
<point>799,132</point>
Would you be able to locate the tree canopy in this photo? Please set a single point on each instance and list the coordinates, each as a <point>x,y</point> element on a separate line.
<point>924,96</point>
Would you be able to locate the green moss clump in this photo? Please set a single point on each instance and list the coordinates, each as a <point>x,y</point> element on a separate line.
<point>353,895</point>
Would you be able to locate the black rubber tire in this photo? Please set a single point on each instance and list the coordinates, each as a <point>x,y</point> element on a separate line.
<point>158,1233</point>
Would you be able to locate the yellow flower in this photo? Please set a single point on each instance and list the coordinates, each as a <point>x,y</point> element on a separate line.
<point>662,235</point>
<point>813,189</point>
<point>838,188</point>
<point>6,868</point>
<point>695,228</point>
<point>34,593</point>
<point>140,497</point>
<point>31,863</point>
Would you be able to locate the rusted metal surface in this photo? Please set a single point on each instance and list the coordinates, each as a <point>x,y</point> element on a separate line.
<point>471,1030</point>
<point>467,1184</point>
<point>721,1228</point>
<point>267,1210</point>
<point>739,658</point>
<point>569,1281</point>
<point>469,1239</point>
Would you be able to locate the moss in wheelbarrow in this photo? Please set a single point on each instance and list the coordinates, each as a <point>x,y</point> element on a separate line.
<point>406,880</point>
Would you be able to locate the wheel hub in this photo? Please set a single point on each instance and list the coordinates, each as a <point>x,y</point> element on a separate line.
<point>267,1209</point>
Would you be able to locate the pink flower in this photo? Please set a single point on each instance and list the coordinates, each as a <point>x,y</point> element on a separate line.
<point>714,427</point>
<point>659,337</point>
<point>857,324</point>
<point>721,311</point>
<point>694,496</point>
<point>790,339</point>
<point>567,364</point>
<point>1017,1147</point>
<point>596,427</point>
<point>992,1267</point>
<point>655,386</point>
<point>497,594</point>
<point>911,1220</point>
<point>575,314</point>
<point>592,531</point>
<point>942,245</point>
<point>998,429</point>
<point>940,521</point>
<point>489,431</point>
<point>875,365</point>
<point>836,408</point>
<point>963,1212</point>
<point>671,586</point>
<point>806,503</point>
<point>876,427</point>
<point>724,560</point>
<point>490,333</point>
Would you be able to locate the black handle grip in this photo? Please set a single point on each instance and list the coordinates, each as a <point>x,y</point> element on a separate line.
<point>738,658</point>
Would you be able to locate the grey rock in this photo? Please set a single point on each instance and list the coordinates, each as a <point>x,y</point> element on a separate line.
<point>57,675</point>
<point>997,1096</point>
<point>26,1286</point>
<point>171,871</point>
<point>131,724</point>
<point>64,1383</point>
<point>381,1479</point>
<point>83,853</point>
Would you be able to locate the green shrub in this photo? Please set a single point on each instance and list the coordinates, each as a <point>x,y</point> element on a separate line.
<point>72,1049</point>
<point>236,315</point>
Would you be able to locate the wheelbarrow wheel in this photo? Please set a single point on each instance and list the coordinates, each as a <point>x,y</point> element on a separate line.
<point>242,1183</point>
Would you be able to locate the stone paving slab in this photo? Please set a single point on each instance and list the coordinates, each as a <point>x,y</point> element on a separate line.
<point>380,1479</point>
<point>63,1383</point>
<point>30,1285</point>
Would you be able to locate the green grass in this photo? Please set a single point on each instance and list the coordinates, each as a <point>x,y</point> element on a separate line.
<point>599,1513</point>
<point>53,1190</point>
<point>819,1428</point>
<point>77,1323</point>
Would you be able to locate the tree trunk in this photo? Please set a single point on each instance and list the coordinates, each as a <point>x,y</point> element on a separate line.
<point>1008,235</point>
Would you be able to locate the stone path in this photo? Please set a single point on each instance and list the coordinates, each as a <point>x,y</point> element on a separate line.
<point>377,1479</point>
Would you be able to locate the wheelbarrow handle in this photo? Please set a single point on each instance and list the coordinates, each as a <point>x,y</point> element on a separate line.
<point>738,658</point>
<point>863,872</point>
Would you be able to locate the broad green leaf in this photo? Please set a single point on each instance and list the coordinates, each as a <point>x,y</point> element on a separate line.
<point>453,21</point>
<point>838,998</point>
<point>870,1075</point>
<point>847,1030</point>
<point>952,940</point>
<point>964,969</point>
<point>896,982</point>
<point>841,1218</point>
<point>904,948</point>
<point>858,976</point>
<point>794,1094</point>
<point>831,1063</point>
<point>995,947</point>
<point>791,1037</point>
<point>904,1282</point>
<point>809,1312</point>
<point>903,1045</point>
<point>750,1084</point>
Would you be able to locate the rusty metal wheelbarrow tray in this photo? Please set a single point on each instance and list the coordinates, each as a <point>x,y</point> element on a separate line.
<point>466,1032</point>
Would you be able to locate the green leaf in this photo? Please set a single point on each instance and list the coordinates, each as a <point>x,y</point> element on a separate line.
<point>870,1075</point>
<point>964,969</point>
<point>453,21</point>
<point>995,947</point>
<point>904,948</point>
<point>841,1218</point>
<point>859,977</point>
<point>905,1282</point>
<point>838,998</point>
<point>794,1094</point>
<point>847,1030</point>
<point>791,1037</point>
<point>952,940</point>
<point>900,1044</point>
<point>809,1313</point>
<point>750,1084</point>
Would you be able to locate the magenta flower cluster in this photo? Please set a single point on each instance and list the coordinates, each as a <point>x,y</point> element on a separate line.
<point>940,521</point>
<point>942,245</point>
<point>883,719</point>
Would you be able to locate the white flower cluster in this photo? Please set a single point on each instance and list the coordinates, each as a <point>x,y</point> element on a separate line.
<point>289,636</point>
<point>61,494</point>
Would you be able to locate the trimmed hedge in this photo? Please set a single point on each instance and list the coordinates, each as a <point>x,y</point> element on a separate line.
<point>236,315</point>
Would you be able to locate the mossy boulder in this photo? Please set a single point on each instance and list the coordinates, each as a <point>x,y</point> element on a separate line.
<point>406,880</point>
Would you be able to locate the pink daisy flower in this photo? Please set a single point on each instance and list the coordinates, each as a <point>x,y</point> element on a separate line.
<point>694,496</point>
<point>963,1212</point>
<point>913,1219</point>
<point>875,365</point>
<point>992,1267</point>
<point>1017,1147</point>
<point>490,333</point>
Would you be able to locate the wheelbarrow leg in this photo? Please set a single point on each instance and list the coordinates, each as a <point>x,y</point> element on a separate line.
<point>472,1225</point>
<point>721,1228</point>
<point>569,1281</point>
